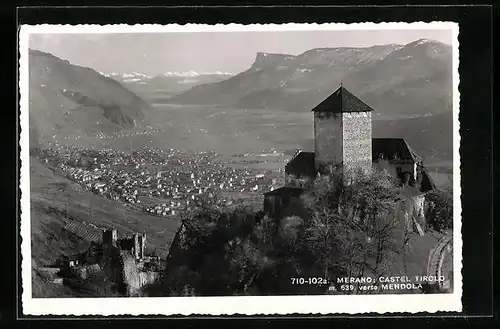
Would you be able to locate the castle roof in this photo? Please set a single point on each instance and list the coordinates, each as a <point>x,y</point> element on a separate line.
<point>340,101</point>
<point>302,163</point>
<point>393,149</point>
<point>286,190</point>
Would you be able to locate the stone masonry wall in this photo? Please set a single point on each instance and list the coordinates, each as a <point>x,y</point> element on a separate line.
<point>327,138</point>
<point>357,141</point>
<point>131,275</point>
<point>392,168</point>
<point>134,276</point>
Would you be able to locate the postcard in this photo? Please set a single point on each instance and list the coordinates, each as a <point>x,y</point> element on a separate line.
<point>240,169</point>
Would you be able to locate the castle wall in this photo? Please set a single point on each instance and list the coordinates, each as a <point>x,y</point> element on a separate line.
<point>148,277</point>
<point>131,275</point>
<point>357,141</point>
<point>328,139</point>
<point>392,168</point>
<point>293,180</point>
<point>110,237</point>
<point>112,264</point>
<point>134,276</point>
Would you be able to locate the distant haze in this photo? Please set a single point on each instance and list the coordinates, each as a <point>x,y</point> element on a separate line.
<point>234,52</point>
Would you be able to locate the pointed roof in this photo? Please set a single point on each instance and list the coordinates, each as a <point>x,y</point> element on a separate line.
<point>302,163</point>
<point>342,100</point>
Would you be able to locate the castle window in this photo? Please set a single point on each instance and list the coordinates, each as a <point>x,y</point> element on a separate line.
<point>398,170</point>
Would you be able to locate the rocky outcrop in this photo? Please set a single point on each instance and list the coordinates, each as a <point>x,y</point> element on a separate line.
<point>263,60</point>
<point>413,214</point>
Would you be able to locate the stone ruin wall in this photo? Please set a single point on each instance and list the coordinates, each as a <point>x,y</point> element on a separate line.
<point>123,260</point>
<point>134,277</point>
<point>131,275</point>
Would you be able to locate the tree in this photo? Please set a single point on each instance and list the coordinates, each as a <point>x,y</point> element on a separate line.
<point>439,212</point>
<point>216,252</point>
<point>352,227</point>
<point>345,230</point>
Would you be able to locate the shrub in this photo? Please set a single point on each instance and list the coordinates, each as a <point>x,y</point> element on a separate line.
<point>439,210</point>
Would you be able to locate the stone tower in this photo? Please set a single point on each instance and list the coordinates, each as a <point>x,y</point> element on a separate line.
<point>139,245</point>
<point>110,238</point>
<point>342,133</point>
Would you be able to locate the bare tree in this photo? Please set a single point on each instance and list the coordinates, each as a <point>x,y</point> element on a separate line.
<point>352,228</point>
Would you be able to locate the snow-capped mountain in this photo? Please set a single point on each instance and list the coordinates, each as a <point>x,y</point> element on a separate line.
<point>176,82</point>
<point>168,82</point>
<point>141,78</point>
<point>191,74</point>
<point>161,87</point>
<point>133,77</point>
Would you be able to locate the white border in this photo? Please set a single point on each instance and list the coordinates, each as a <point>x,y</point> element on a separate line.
<point>249,305</point>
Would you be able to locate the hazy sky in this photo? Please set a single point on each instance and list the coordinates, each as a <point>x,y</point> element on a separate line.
<point>207,51</point>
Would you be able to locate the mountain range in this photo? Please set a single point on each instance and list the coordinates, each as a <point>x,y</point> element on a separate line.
<point>173,82</point>
<point>66,98</point>
<point>397,80</point>
<point>409,87</point>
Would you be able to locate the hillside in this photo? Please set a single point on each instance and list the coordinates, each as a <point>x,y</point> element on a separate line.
<point>430,136</point>
<point>396,80</point>
<point>68,99</point>
<point>55,200</point>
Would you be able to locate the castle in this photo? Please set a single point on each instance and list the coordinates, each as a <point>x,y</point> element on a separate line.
<point>343,140</point>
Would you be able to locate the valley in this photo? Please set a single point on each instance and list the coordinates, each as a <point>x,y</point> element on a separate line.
<point>232,131</point>
<point>161,142</point>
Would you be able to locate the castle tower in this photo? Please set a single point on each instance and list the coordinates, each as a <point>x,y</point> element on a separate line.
<point>139,245</point>
<point>342,133</point>
<point>109,243</point>
<point>143,244</point>
<point>110,238</point>
<point>137,248</point>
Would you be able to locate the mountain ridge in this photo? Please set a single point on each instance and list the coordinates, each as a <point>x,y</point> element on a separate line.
<point>66,98</point>
<point>298,82</point>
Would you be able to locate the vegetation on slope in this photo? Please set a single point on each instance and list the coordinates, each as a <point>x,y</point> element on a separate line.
<point>54,201</point>
<point>66,98</point>
<point>343,231</point>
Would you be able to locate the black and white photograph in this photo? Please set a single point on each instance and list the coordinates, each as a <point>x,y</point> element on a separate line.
<point>268,169</point>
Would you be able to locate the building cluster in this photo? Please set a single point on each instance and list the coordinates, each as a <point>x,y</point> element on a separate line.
<point>161,182</point>
<point>148,130</point>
